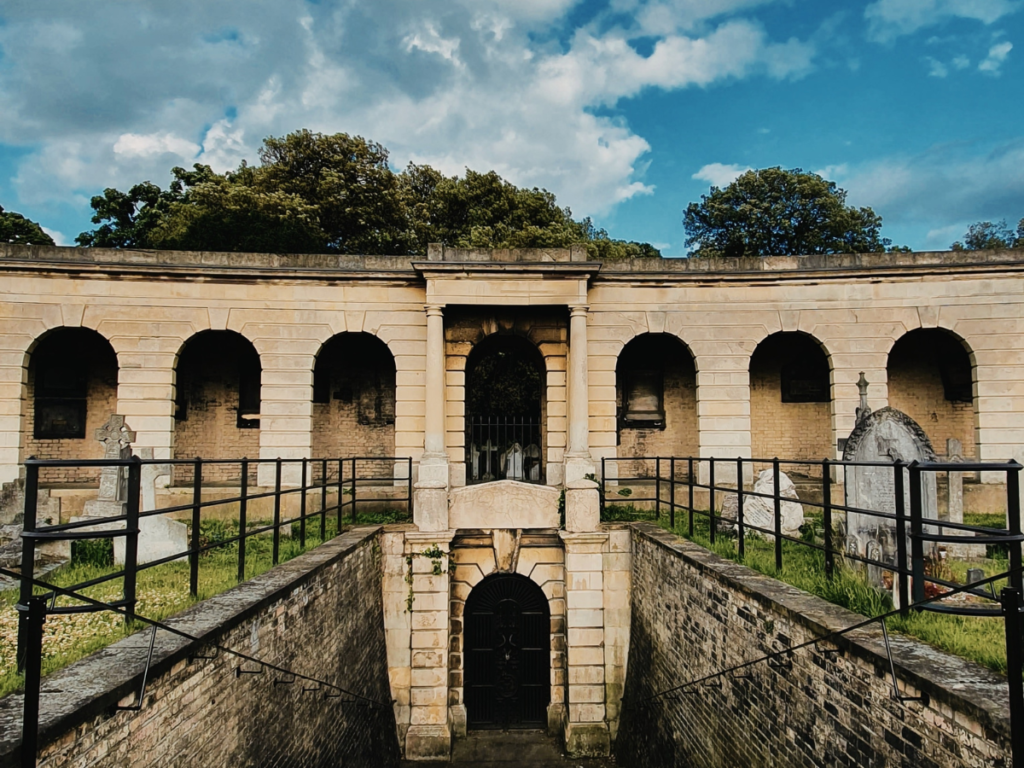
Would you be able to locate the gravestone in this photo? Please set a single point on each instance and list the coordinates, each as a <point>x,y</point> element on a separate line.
<point>159,536</point>
<point>885,435</point>
<point>760,512</point>
<point>955,506</point>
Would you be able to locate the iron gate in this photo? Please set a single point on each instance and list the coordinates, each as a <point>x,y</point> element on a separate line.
<point>507,642</point>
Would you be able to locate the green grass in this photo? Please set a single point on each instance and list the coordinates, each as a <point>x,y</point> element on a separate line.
<point>162,591</point>
<point>980,639</point>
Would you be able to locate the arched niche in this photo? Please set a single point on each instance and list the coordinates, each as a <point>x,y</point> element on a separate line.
<point>931,379</point>
<point>506,410</point>
<point>656,398</point>
<point>791,400</point>
<point>217,404</point>
<point>354,399</point>
<point>71,392</point>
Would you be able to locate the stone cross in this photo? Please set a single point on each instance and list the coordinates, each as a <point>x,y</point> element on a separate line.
<point>117,439</point>
<point>863,411</point>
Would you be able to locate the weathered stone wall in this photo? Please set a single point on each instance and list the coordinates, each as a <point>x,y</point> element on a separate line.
<point>695,614</point>
<point>319,614</point>
<point>916,389</point>
<point>798,431</point>
<point>679,437</point>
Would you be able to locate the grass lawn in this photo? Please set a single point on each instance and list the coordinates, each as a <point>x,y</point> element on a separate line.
<point>980,639</point>
<point>161,592</point>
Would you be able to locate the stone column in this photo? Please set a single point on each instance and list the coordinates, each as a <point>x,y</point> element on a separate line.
<point>430,504</point>
<point>286,408</point>
<point>586,732</point>
<point>578,462</point>
<point>429,736</point>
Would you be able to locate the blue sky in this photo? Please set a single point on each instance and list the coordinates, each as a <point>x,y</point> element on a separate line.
<point>627,109</point>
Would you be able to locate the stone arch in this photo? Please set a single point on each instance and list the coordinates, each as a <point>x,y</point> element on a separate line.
<point>791,399</point>
<point>70,390</point>
<point>931,377</point>
<point>540,559</point>
<point>217,377</point>
<point>656,397</point>
<point>354,384</point>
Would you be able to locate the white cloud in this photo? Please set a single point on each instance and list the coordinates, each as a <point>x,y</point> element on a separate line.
<point>996,56</point>
<point>936,68</point>
<point>720,174</point>
<point>58,237</point>
<point>889,19</point>
<point>960,62</point>
<point>476,83</point>
<point>833,172</point>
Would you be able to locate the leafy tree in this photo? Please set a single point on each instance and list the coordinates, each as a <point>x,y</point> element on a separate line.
<point>778,212</point>
<point>16,229</point>
<point>991,236</point>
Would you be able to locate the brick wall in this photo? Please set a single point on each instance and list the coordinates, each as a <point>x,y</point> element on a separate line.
<point>829,708</point>
<point>320,614</point>
<point>101,402</point>
<point>679,437</point>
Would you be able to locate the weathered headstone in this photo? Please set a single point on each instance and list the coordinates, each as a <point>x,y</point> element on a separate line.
<point>159,536</point>
<point>117,439</point>
<point>760,512</point>
<point>955,505</point>
<point>885,435</point>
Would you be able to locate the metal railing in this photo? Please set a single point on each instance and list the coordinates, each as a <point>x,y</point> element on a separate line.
<point>344,479</point>
<point>670,484</point>
<point>504,448</point>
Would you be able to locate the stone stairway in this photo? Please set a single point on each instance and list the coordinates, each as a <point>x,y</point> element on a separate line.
<point>512,749</point>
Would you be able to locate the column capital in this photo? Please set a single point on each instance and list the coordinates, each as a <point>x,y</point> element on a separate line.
<point>434,310</point>
<point>578,310</point>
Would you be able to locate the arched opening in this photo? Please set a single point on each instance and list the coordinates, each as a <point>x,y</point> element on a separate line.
<point>507,653</point>
<point>931,380</point>
<point>72,391</point>
<point>790,400</point>
<point>217,404</point>
<point>505,411</point>
<point>656,398</point>
<point>354,399</point>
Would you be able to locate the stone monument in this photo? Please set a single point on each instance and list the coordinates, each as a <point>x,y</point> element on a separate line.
<point>760,512</point>
<point>885,435</point>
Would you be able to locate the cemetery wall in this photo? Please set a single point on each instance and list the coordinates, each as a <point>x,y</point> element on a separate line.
<point>320,614</point>
<point>918,392</point>
<point>799,431</point>
<point>828,704</point>
<point>211,430</point>
<point>679,437</point>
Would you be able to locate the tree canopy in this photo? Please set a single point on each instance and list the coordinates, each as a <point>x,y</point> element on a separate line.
<point>313,192</point>
<point>16,229</point>
<point>774,212</point>
<point>991,236</point>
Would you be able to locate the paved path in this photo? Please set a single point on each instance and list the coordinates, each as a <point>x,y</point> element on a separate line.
<point>514,749</point>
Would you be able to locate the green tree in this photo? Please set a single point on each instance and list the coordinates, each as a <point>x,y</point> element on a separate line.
<point>780,212</point>
<point>16,229</point>
<point>991,236</point>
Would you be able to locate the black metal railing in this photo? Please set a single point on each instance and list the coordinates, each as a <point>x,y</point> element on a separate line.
<point>504,448</point>
<point>341,488</point>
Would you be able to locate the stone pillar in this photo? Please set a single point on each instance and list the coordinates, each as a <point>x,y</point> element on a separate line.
<point>586,732</point>
<point>578,462</point>
<point>582,506</point>
<point>430,504</point>
<point>286,409</point>
<point>429,735</point>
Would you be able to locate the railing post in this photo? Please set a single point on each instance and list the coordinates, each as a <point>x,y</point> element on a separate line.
<point>277,511</point>
<point>408,485</point>
<point>1016,579</point>
<point>28,560</point>
<point>1010,600</point>
<point>778,513</point>
<point>243,512</point>
<point>672,494</point>
<point>131,538</point>
<point>916,543</point>
<point>193,553</point>
<point>33,613</point>
<point>689,477</point>
<point>711,499</point>
<point>739,509</point>
<point>604,487</point>
<point>899,491</point>
<point>341,492</point>
<point>323,501</point>
<point>354,478</point>
<point>826,508</point>
<point>657,488</point>
<point>302,508</point>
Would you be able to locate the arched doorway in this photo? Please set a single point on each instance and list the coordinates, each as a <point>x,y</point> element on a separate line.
<point>931,380</point>
<point>507,653</point>
<point>505,411</point>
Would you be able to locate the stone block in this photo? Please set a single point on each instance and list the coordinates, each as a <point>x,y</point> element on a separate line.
<point>504,504</point>
<point>582,506</point>
<point>430,503</point>
<point>587,739</point>
<point>428,742</point>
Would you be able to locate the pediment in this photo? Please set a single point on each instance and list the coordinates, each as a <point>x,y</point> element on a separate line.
<point>503,504</point>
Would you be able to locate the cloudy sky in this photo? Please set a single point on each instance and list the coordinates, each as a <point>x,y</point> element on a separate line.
<point>626,109</point>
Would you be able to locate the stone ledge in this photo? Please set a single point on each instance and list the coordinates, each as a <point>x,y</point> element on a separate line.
<point>93,686</point>
<point>963,685</point>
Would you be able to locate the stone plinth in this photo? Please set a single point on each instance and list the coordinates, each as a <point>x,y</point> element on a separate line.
<point>504,504</point>
<point>582,506</point>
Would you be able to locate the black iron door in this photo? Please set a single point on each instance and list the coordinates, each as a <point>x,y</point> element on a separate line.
<point>507,654</point>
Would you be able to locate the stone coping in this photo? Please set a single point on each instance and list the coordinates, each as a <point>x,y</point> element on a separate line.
<point>960,685</point>
<point>112,261</point>
<point>94,685</point>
